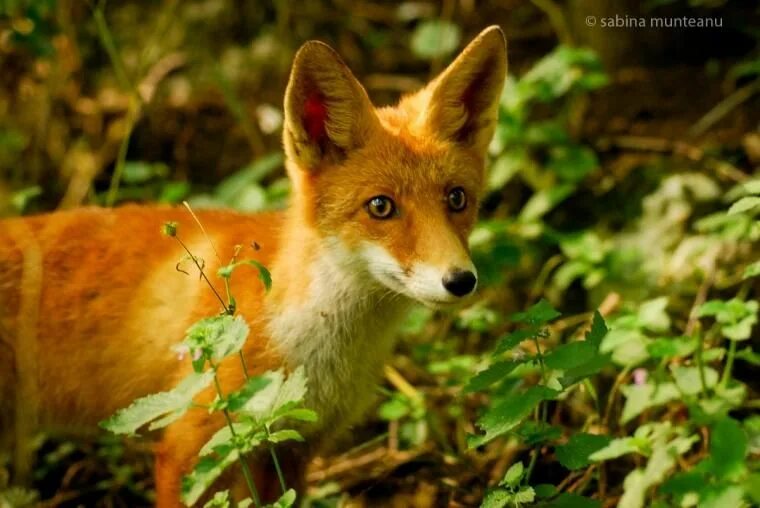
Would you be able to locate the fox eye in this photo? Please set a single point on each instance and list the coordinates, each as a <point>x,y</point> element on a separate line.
<point>381,207</point>
<point>457,199</point>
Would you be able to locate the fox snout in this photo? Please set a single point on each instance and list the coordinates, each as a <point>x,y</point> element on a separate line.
<point>459,282</point>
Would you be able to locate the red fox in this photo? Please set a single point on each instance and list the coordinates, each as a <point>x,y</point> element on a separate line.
<point>383,200</point>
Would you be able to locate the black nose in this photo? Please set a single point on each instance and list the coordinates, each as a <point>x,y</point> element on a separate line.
<point>459,282</point>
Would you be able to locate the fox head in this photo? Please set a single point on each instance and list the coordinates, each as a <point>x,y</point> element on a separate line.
<point>395,190</point>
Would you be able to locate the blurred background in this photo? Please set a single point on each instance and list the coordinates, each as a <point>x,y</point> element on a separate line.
<point>619,150</point>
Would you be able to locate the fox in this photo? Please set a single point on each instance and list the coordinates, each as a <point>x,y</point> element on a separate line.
<point>383,200</point>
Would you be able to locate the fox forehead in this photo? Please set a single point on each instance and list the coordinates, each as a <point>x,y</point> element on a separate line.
<point>401,164</point>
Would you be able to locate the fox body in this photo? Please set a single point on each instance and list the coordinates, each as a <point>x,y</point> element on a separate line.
<point>383,199</point>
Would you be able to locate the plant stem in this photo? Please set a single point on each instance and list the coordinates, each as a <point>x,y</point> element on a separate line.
<point>276,462</point>
<point>729,364</point>
<point>243,464</point>
<point>272,451</point>
<point>203,274</point>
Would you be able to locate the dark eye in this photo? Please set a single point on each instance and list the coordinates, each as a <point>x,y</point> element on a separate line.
<point>457,199</point>
<point>381,207</point>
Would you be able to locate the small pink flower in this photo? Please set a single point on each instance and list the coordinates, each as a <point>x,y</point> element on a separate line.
<point>181,350</point>
<point>639,376</point>
<point>197,354</point>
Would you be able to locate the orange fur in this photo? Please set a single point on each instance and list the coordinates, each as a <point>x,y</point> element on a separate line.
<point>91,301</point>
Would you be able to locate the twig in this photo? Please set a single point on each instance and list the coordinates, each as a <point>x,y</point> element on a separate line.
<point>556,19</point>
<point>724,107</point>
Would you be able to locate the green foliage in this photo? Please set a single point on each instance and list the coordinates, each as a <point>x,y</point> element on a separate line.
<point>161,408</point>
<point>435,38</point>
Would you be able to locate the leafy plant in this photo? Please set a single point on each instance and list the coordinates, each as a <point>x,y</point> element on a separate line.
<point>254,413</point>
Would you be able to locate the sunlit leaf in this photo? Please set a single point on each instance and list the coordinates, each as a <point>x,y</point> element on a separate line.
<point>169,406</point>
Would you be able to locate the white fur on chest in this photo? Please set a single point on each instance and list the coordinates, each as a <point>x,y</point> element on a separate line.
<point>342,334</point>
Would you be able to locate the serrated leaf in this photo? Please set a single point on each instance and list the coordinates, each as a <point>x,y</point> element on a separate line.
<point>509,412</point>
<point>218,336</point>
<point>170,405</point>
<point>236,400</point>
<point>492,374</point>
<point>280,395</point>
<point>745,204</point>
<point>575,453</point>
<point>598,330</point>
<point>220,500</point>
<point>497,498</point>
<point>538,314</point>
<point>205,472</point>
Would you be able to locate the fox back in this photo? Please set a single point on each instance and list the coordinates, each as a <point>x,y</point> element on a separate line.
<point>383,200</point>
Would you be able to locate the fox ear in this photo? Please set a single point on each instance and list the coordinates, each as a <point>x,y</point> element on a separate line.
<point>462,102</point>
<point>327,111</point>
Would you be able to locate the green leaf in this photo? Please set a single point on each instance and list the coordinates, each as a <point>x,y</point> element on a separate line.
<point>723,496</point>
<point>220,500</point>
<point>689,381</point>
<point>512,340</point>
<point>287,500</point>
<point>513,475</point>
<point>509,412</point>
<point>497,498</point>
<point>206,471</point>
<point>575,453</point>
<point>752,270</point>
<point>641,397</point>
<point>171,405</point>
<point>745,204</point>
<point>236,400</point>
<point>571,162</point>
<point>728,447</point>
<point>598,330</point>
<point>735,316</point>
<point>617,448</point>
<point>285,435</point>
<point>539,314</point>
<point>225,272</point>
<point>653,315</point>
<point>678,347</point>
<point>532,433</point>
<point>218,337</point>
<point>570,356</point>
<point>279,396</point>
<point>494,373</point>
<point>435,38</point>
<point>568,500</point>
<point>544,200</point>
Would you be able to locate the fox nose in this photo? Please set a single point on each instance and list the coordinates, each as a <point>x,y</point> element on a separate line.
<point>459,282</point>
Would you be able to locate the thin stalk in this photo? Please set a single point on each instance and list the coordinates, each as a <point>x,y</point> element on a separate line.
<point>276,462</point>
<point>203,274</point>
<point>121,156</point>
<point>729,364</point>
<point>541,410</point>
<point>272,451</point>
<point>243,464</point>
